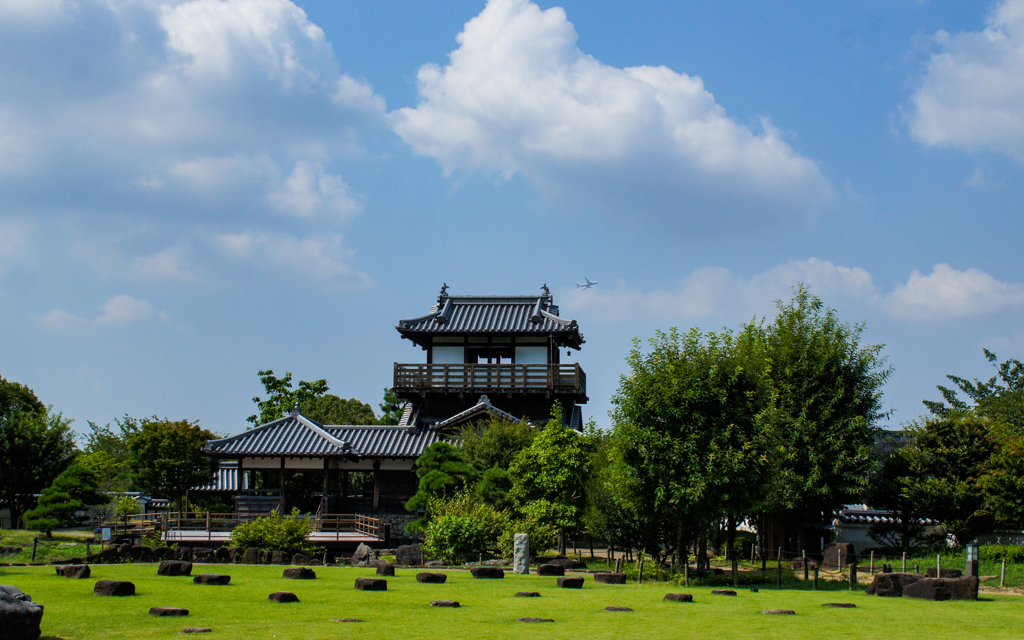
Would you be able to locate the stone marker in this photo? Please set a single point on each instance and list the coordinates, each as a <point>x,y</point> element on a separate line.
<point>211,578</point>
<point>550,570</point>
<point>168,611</point>
<point>839,605</point>
<point>345,620</point>
<point>891,585</point>
<point>385,569</point>
<point>570,582</point>
<point>723,592</point>
<point>299,573</point>
<point>444,603</point>
<point>617,609</point>
<point>487,573</point>
<point>114,588</point>
<point>77,571</point>
<point>610,578</point>
<point>19,616</point>
<point>174,568</point>
<point>965,588</point>
<point>678,597</point>
<point>521,553</point>
<point>431,578</point>
<point>527,594</point>
<point>196,630</point>
<point>283,596</point>
<point>371,584</point>
<point>779,612</point>
<point>534,620</point>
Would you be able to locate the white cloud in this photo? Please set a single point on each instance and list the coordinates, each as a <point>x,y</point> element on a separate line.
<point>121,310</point>
<point>320,256</point>
<point>972,93</point>
<point>943,294</point>
<point>309,190</point>
<point>519,97</point>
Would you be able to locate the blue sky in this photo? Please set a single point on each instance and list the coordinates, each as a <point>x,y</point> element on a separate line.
<point>194,191</point>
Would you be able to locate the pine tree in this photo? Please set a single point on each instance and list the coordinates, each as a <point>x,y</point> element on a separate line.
<point>61,504</point>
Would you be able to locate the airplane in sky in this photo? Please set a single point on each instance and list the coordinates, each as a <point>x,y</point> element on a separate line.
<point>587,285</point>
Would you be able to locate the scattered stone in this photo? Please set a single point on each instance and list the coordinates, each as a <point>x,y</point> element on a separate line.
<point>283,596</point>
<point>281,557</point>
<point>19,616</point>
<point>140,553</point>
<point>268,557</point>
<point>779,612</point>
<point>409,555</point>
<point>678,597</point>
<point>570,582</point>
<point>431,578</point>
<point>550,570</point>
<point>444,603</point>
<point>300,559</point>
<point>527,594</point>
<point>886,568</point>
<point>252,556</point>
<point>77,571</point>
<point>168,611</point>
<point>236,553</point>
<point>313,562</point>
<point>196,630</point>
<point>836,553</point>
<point>610,578</point>
<point>938,589</point>
<point>183,553</point>
<point>617,609</point>
<point>385,569</point>
<point>723,592</point>
<point>487,572</point>
<point>300,573</point>
<point>222,555</point>
<point>174,568</point>
<point>363,554</point>
<point>345,620</point>
<point>114,588</point>
<point>110,554</point>
<point>211,578</point>
<point>946,573</point>
<point>891,585</point>
<point>754,589</point>
<point>371,584</point>
<point>839,605</point>
<point>534,620</point>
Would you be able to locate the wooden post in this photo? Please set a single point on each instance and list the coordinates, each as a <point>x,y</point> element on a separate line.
<point>35,543</point>
<point>640,574</point>
<point>778,579</point>
<point>282,503</point>
<point>686,567</point>
<point>806,568</point>
<point>853,575</point>
<point>938,565</point>
<point>1002,574</point>
<point>871,565</point>
<point>904,562</point>
<point>376,484</point>
<point>735,570</point>
<point>815,577</point>
<point>88,548</point>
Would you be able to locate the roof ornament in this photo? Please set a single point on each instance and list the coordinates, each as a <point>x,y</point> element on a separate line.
<point>547,291</point>
<point>296,410</point>
<point>444,292</point>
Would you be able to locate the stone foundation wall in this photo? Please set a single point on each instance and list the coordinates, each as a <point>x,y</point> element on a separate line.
<point>398,523</point>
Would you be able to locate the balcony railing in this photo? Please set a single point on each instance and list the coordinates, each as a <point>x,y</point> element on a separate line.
<point>558,378</point>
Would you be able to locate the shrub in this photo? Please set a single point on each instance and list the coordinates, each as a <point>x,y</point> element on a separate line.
<point>1012,552</point>
<point>462,528</point>
<point>543,536</point>
<point>126,506</point>
<point>288,533</point>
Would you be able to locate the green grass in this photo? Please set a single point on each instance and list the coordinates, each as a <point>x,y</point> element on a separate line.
<point>66,543</point>
<point>489,609</point>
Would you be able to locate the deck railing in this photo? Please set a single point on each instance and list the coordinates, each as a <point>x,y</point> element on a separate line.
<point>561,378</point>
<point>196,521</point>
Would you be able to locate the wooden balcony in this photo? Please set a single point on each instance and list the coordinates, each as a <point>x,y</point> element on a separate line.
<point>477,378</point>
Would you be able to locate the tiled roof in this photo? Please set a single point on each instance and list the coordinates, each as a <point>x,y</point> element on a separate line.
<point>484,406</point>
<point>494,314</point>
<point>385,441</point>
<point>226,478</point>
<point>873,516</point>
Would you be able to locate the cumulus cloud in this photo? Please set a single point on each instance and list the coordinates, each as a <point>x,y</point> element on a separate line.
<point>121,310</point>
<point>971,95</point>
<point>321,256</point>
<point>943,294</point>
<point>518,96</point>
<point>309,191</point>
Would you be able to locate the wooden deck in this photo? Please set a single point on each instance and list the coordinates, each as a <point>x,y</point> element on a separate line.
<point>543,378</point>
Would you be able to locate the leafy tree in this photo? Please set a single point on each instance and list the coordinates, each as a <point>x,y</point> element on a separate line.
<point>462,528</point>
<point>36,445</point>
<point>494,487</point>
<point>391,408</point>
<point>890,491</point>
<point>494,442</point>
<point>60,504</point>
<point>443,472</point>
<point>614,513</point>
<point>281,397</point>
<point>106,452</point>
<point>554,469</point>
<point>1002,483</point>
<point>167,457</point>
<point>330,409</point>
<point>1000,398</point>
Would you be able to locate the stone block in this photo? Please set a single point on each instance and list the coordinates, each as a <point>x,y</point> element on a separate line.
<point>174,568</point>
<point>268,557</point>
<point>534,620</point>
<point>610,578</point>
<point>140,553</point>
<point>195,630</point>
<point>163,553</point>
<point>236,553</point>
<point>946,573</point>
<point>283,596</point>
<point>723,592</point>
<point>211,578</point>
<point>371,584</point>
<point>114,588</point>
<point>385,569</point>
<point>167,611</point>
<point>527,594</point>
<point>521,553</point>
<point>183,553</point>
<point>409,555</point>
<point>431,578</point>
<point>570,582</point>
<point>797,564</point>
<point>222,555</point>
<point>253,556</point>
<point>678,597</point>
<point>444,603</point>
<point>202,553</point>
<point>778,612</point>
<point>839,605</point>
<point>76,571</point>
<point>550,570</point>
<point>838,555</point>
<point>300,559</point>
<point>281,557</point>
<point>965,588</point>
<point>891,585</point>
<point>299,573</point>
<point>617,609</point>
<point>568,563</point>
<point>19,616</point>
<point>487,573</point>
<point>110,554</point>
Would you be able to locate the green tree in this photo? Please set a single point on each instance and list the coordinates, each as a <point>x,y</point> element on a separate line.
<point>281,397</point>
<point>494,487</point>
<point>1002,483</point>
<point>167,457</point>
<point>61,504</point>
<point>554,469</point>
<point>36,445</point>
<point>443,472</point>
<point>330,409</point>
<point>1000,398</point>
<point>494,442</point>
<point>391,408</point>
<point>106,453</point>
<point>890,491</point>
<point>462,528</point>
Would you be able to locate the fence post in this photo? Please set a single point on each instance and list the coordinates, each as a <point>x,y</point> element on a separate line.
<point>806,568</point>
<point>853,575</point>
<point>1002,574</point>
<point>778,578</point>
<point>640,573</point>
<point>735,570</point>
<point>871,566</point>
<point>904,562</point>
<point>815,577</point>
<point>938,565</point>
<point>35,543</point>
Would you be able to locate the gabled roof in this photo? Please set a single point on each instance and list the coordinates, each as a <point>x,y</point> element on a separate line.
<point>511,315</point>
<point>480,408</point>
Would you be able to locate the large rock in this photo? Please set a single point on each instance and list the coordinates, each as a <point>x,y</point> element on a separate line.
<point>222,555</point>
<point>281,557</point>
<point>167,611</point>
<point>838,555</point>
<point>363,554</point>
<point>19,616</point>
<point>253,556</point>
<point>444,603</point>
<point>385,569</point>
<point>174,568</point>
<point>76,571</point>
<point>409,555</point>
<point>610,578</point>
<point>371,584</point>
<point>570,582</point>
<point>678,597</point>
<point>114,588</point>
<point>300,559</point>
<point>283,596</point>
<point>891,585</point>
<point>202,553</point>
<point>299,573</point>
<point>550,570</point>
<point>183,553</point>
<point>946,573</point>
<point>521,553</point>
<point>431,578</point>
<point>965,588</point>
<point>110,554</point>
<point>211,578</point>
<point>236,553</point>
<point>487,572</point>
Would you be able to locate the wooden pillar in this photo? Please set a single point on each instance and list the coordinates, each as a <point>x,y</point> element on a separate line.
<point>323,497</point>
<point>242,484</point>
<point>282,511</point>
<point>376,484</point>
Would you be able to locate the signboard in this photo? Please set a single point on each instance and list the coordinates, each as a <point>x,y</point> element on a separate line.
<point>106,533</point>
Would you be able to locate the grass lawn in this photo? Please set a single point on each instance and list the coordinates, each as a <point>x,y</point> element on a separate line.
<point>489,608</point>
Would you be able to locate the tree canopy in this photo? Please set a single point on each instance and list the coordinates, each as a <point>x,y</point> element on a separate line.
<point>61,504</point>
<point>167,457</point>
<point>281,397</point>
